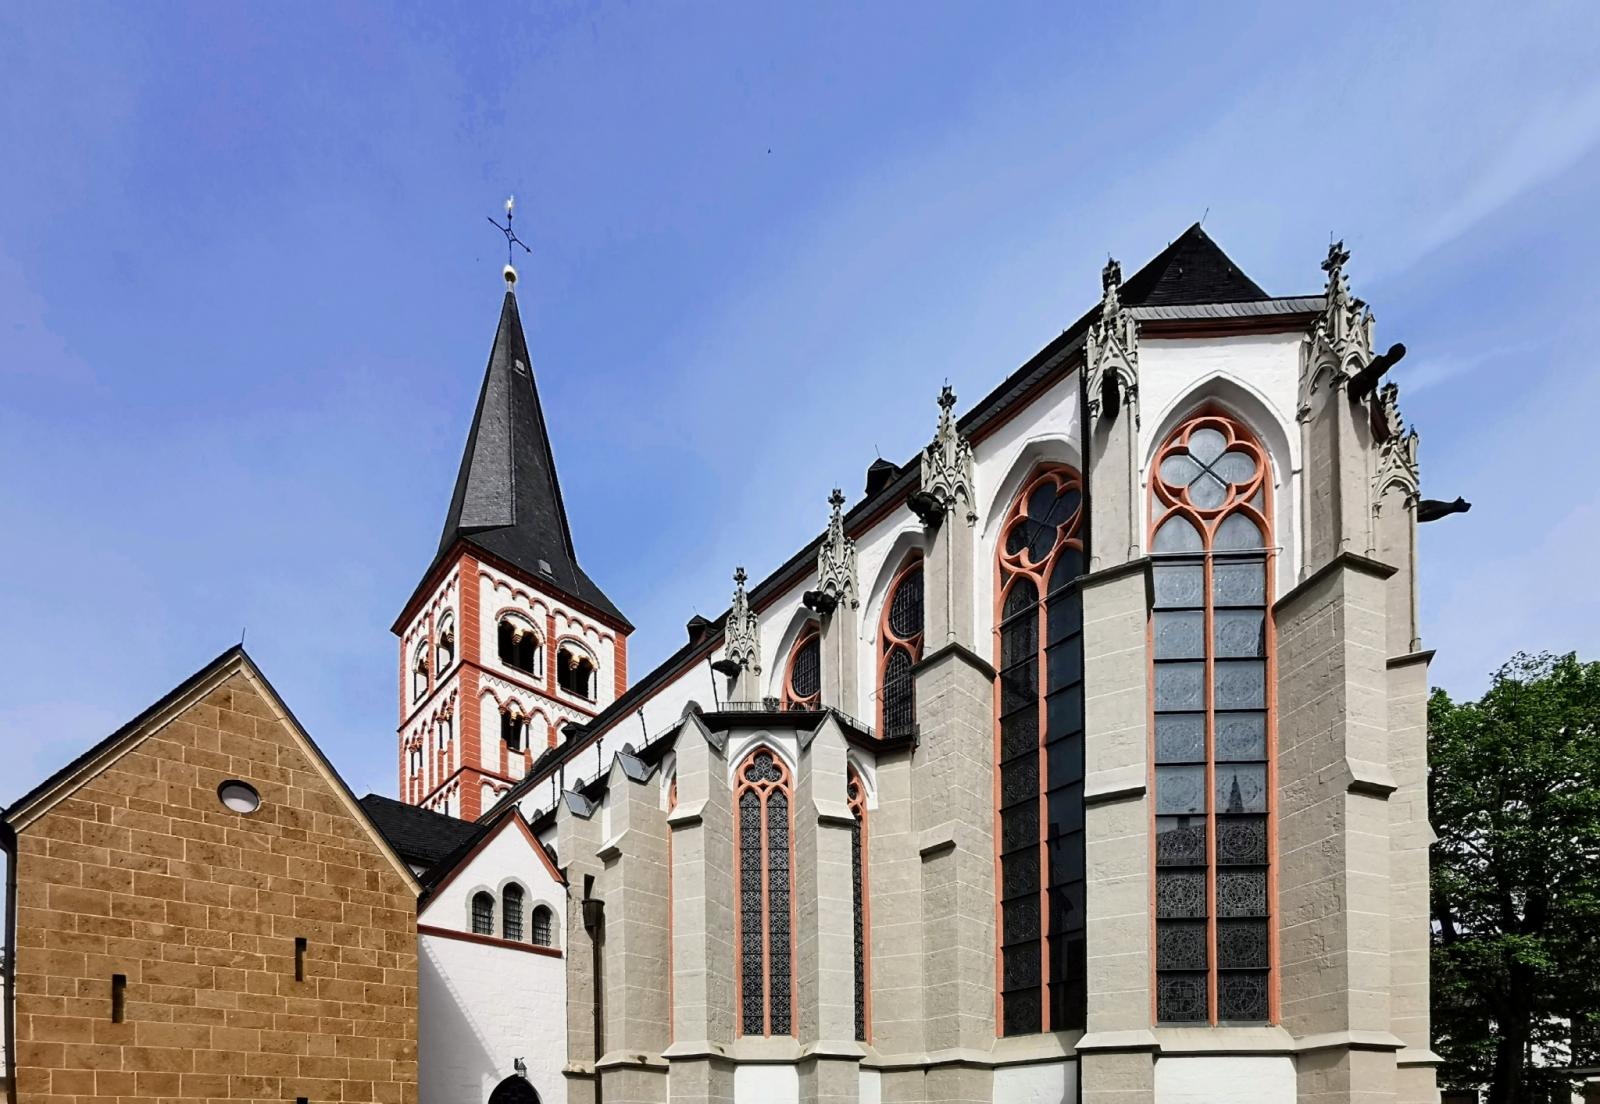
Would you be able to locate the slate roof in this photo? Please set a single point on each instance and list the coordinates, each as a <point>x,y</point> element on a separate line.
<point>507,499</point>
<point>419,836</point>
<point>1191,272</point>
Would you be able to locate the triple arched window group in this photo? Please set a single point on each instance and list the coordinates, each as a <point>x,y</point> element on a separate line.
<point>540,923</point>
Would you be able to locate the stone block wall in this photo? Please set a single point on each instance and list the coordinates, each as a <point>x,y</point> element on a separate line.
<point>142,872</point>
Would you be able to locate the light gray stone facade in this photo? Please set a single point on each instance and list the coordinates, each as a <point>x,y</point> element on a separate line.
<point>652,848</point>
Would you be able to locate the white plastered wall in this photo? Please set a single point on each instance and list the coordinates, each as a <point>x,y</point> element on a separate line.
<point>1256,377</point>
<point>483,1006</point>
<point>1205,1080</point>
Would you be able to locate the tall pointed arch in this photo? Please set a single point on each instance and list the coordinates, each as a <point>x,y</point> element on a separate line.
<point>1039,916</point>
<point>856,795</point>
<point>802,673</point>
<point>1211,656</point>
<point>899,649</point>
<point>764,855</point>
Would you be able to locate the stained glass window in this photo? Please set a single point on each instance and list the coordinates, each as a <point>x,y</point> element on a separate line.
<point>1039,758</point>
<point>802,683</point>
<point>899,648</point>
<point>766,910</point>
<point>857,796</point>
<point>1211,650</point>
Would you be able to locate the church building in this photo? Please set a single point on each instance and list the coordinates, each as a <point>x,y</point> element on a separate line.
<point>1080,759</point>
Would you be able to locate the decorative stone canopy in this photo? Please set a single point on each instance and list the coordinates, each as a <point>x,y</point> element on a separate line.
<point>946,469</point>
<point>836,558</point>
<point>1341,338</point>
<point>1111,352</point>
<point>742,637</point>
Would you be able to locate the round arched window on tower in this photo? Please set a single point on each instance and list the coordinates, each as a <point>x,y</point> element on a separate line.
<point>241,797</point>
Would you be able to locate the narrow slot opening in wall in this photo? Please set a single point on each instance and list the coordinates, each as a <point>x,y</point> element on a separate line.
<point>119,986</point>
<point>300,958</point>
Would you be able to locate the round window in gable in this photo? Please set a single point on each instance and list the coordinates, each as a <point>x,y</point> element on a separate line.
<point>241,797</point>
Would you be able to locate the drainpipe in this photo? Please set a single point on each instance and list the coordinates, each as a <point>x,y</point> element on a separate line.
<point>8,844</point>
<point>594,922</point>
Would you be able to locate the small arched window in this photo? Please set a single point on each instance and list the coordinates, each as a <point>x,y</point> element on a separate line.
<point>802,677</point>
<point>483,913</point>
<point>519,645</point>
<point>511,912</point>
<point>899,648</point>
<point>575,671</point>
<point>543,927</point>
<point>416,761</point>
<point>447,725</point>
<point>1212,646</point>
<point>445,650</point>
<point>765,946</point>
<point>419,672</point>
<point>513,728</point>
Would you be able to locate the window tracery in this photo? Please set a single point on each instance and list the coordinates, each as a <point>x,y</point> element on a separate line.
<point>899,649</point>
<point>765,853</point>
<point>1039,757</point>
<point>802,679</point>
<point>1211,651</point>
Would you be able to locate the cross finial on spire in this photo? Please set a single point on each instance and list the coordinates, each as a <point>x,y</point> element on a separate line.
<point>836,499</point>
<point>511,240</point>
<point>1337,256</point>
<point>739,577</point>
<point>947,398</point>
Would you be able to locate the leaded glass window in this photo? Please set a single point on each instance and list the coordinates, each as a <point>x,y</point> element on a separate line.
<point>802,682</point>
<point>1211,649</point>
<point>899,648</point>
<point>511,912</point>
<point>483,913</point>
<point>766,909</point>
<point>1039,758</point>
<point>857,795</point>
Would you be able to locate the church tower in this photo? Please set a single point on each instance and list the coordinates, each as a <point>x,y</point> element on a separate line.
<point>505,641</point>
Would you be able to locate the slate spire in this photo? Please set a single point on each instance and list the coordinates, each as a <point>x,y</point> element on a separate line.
<point>507,498</point>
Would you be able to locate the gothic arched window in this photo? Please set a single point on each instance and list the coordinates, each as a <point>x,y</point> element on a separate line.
<point>763,823</point>
<point>511,912</point>
<point>518,645</point>
<point>543,927</point>
<point>856,794</point>
<point>899,648</point>
<point>483,913</point>
<point>1039,756</point>
<point>802,676</point>
<point>1211,536</point>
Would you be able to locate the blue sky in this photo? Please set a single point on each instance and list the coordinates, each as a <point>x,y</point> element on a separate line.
<point>247,291</point>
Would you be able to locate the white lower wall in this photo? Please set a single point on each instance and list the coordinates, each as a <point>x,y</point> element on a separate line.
<point>766,1085</point>
<point>481,1008</point>
<point>871,1087</point>
<point>1045,1083</point>
<point>1266,1080</point>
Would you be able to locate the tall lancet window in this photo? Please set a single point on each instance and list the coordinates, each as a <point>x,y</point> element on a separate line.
<point>899,648</point>
<point>763,823</point>
<point>856,794</point>
<point>1211,534</point>
<point>802,680</point>
<point>1039,757</point>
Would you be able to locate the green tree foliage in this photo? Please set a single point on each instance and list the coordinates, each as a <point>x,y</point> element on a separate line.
<point>1515,796</point>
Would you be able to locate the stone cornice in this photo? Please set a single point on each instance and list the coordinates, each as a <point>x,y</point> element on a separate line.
<point>1344,561</point>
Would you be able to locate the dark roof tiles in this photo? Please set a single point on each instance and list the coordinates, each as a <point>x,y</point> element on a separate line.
<point>420,836</point>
